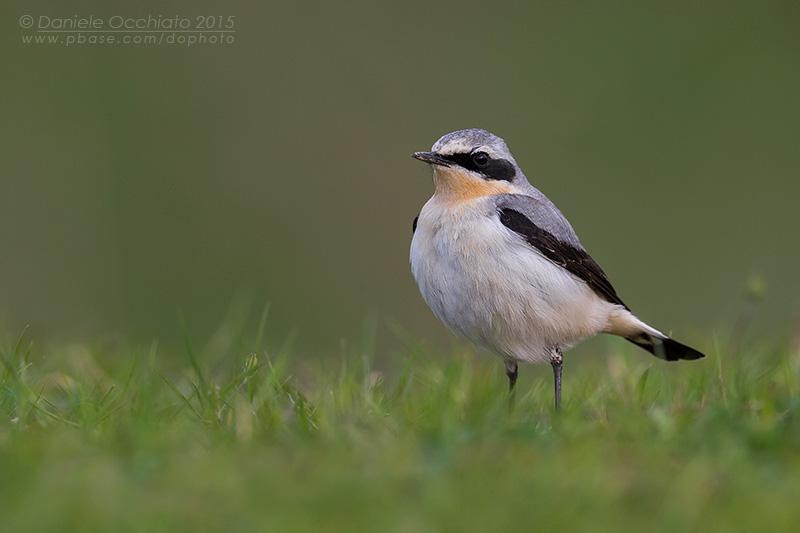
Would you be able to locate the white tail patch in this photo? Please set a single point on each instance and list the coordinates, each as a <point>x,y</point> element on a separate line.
<point>625,324</point>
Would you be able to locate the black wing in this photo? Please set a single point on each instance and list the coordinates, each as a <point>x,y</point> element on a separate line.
<point>575,260</point>
<point>414,225</point>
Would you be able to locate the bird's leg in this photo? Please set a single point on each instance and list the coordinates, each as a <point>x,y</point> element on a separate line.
<point>511,372</point>
<point>556,362</point>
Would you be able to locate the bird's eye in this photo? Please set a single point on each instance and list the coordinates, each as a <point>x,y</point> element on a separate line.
<point>480,159</point>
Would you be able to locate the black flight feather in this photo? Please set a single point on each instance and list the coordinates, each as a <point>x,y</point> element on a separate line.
<point>575,260</point>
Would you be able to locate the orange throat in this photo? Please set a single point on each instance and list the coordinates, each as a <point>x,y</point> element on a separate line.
<point>454,185</point>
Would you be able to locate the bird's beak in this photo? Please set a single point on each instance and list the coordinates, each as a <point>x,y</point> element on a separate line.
<point>431,157</point>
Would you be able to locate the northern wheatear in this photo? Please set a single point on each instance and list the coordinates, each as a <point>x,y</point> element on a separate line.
<point>498,263</point>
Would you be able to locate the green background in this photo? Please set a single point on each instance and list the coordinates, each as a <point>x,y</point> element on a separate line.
<point>136,180</point>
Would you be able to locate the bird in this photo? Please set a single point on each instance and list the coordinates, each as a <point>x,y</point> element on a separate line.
<point>499,264</point>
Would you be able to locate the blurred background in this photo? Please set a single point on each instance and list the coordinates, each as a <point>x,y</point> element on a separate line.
<point>140,179</point>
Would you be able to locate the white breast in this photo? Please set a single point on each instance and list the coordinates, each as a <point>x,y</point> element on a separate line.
<point>488,284</point>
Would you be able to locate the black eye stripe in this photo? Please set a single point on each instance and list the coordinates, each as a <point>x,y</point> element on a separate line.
<point>496,169</point>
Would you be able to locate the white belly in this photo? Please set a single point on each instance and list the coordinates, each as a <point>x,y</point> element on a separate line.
<point>489,285</point>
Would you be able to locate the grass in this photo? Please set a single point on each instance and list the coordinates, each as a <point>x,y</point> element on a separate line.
<point>116,439</point>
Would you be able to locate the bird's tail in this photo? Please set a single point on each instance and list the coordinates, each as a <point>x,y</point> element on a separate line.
<point>664,347</point>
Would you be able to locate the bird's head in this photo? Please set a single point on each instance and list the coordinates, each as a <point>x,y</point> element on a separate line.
<point>472,163</point>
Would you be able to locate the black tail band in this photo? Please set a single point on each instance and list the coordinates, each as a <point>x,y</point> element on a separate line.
<point>667,349</point>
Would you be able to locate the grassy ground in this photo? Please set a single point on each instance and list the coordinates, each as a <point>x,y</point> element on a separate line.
<point>113,439</point>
